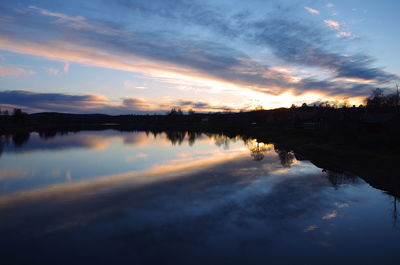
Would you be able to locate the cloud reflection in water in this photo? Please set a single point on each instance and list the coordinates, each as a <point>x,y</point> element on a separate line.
<point>204,198</point>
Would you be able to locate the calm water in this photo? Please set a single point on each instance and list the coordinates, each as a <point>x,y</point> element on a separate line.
<point>108,197</point>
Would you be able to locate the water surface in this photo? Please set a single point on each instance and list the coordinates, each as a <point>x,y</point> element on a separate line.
<point>109,197</point>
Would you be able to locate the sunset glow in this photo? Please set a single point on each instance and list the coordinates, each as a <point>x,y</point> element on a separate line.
<point>120,57</point>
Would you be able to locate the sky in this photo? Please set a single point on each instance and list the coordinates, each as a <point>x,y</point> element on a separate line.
<point>147,56</point>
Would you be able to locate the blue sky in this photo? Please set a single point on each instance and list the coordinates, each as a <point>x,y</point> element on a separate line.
<point>131,56</point>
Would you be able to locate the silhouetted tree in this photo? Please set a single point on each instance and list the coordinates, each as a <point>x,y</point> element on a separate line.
<point>325,104</point>
<point>18,115</point>
<point>345,103</point>
<point>259,107</point>
<point>375,101</point>
<point>17,112</point>
<point>175,111</point>
<point>379,102</point>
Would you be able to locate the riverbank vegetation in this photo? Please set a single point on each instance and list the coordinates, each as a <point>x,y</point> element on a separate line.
<point>362,140</point>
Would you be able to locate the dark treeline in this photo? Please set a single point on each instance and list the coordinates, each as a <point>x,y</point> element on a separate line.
<point>359,139</point>
<point>376,123</point>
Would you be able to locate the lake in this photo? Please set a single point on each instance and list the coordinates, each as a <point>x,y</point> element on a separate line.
<point>110,197</point>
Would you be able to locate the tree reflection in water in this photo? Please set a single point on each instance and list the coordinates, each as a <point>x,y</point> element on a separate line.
<point>286,158</point>
<point>176,137</point>
<point>338,179</point>
<point>258,149</point>
<point>3,141</point>
<point>222,140</point>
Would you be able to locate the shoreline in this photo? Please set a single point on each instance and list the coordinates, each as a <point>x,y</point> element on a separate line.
<point>376,164</point>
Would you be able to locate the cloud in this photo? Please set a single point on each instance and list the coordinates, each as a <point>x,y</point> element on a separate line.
<point>128,84</point>
<point>66,67</point>
<point>307,45</point>
<point>188,12</point>
<point>155,55</point>
<point>330,215</point>
<point>332,24</point>
<point>199,105</point>
<point>339,27</point>
<point>14,71</point>
<point>75,22</point>
<point>53,71</point>
<point>345,34</point>
<point>58,102</point>
<point>176,54</point>
<point>136,103</point>
<point>14,173</point>
<point>57,15</point>
<point>330,5</point>
<point>51,101</point>
<point>310,228</point>
<point>312,10</point>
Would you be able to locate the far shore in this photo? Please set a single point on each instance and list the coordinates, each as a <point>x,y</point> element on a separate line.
<point>345,140</point>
